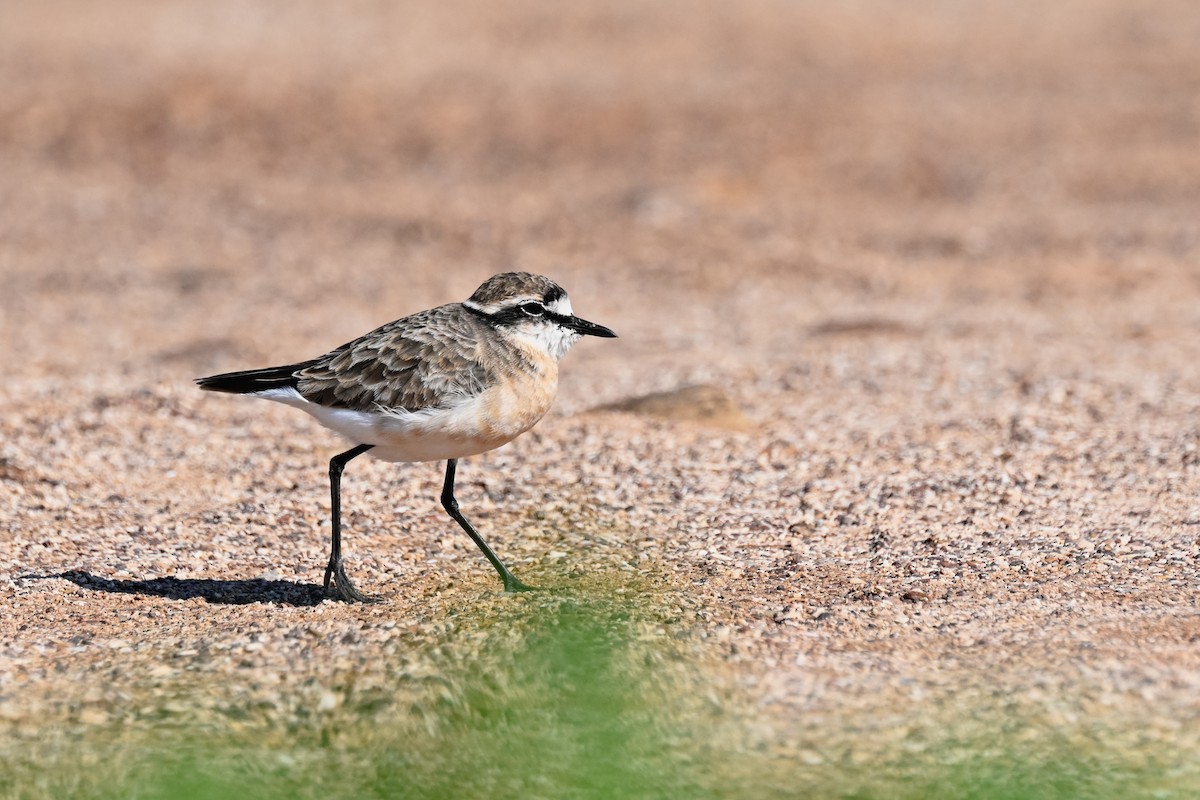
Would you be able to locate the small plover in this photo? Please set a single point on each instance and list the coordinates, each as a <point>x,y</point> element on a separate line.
<point>450,382</point>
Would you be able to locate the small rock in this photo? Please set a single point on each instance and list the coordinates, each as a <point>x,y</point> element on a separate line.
<point>701,403</point>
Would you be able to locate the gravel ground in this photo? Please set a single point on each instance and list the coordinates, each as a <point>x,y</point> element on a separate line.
<point>933,266</point>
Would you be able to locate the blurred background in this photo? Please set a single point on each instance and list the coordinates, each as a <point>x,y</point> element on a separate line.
<point>197,185</point>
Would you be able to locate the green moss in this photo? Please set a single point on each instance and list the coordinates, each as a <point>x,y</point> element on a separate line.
<point>564,698</point>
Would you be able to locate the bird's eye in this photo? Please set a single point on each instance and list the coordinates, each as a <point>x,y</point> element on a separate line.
<point>533,309</point>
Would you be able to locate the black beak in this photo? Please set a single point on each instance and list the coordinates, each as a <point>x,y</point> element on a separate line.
<point>585,328</point>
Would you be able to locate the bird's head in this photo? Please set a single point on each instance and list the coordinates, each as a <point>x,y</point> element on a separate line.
<point>534,309</point>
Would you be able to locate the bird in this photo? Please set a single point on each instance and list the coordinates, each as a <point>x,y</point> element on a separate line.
<point>442,384</point>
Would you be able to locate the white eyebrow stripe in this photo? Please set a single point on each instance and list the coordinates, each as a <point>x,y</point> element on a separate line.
<point>502,305</point>
<point>561,306</point>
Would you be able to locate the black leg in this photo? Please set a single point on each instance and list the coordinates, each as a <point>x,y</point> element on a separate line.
<point>335,569</point>
<point>511,584</point>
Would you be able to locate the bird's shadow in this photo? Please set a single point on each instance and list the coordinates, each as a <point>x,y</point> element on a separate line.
<point>244,592</point>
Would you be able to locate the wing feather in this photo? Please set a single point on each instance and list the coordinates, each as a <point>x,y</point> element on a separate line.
<point>421,361</point>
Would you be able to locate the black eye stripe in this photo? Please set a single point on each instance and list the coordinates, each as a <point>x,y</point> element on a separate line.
<point>515,314</point>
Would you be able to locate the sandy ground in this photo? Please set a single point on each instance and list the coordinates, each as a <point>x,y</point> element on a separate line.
<point>937,263</point>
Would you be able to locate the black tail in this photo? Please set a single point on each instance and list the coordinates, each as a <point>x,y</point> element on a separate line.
<point>253,380</point>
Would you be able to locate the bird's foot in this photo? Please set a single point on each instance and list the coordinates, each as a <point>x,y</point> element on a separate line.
<point>343,587</point>
<point>511,584</point>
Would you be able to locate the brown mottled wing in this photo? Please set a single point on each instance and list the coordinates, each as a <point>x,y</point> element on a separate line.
<point>412,363</point>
